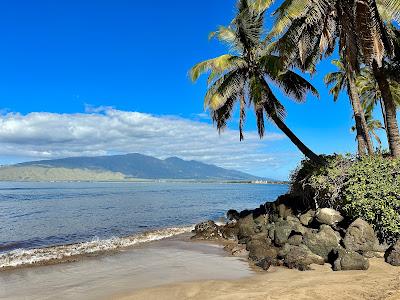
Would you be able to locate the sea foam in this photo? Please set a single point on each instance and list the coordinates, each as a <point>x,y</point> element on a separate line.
<point>55,254</point>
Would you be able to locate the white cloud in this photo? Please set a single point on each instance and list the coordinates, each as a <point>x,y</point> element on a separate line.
<point>42,135</point>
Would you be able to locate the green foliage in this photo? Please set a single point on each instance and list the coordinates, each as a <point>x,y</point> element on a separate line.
<point>367,188</point>
<point>372,191</point>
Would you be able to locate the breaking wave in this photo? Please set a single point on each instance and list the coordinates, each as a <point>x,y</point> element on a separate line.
<point>58,254</point>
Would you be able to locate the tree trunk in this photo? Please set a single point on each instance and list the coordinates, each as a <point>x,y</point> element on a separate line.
<point>295,140</point>
<point>392,128</point>
<point>363,136</point>
<point>383,112</point>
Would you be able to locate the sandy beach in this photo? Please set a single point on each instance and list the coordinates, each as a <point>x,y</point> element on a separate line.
<point>381,281</point>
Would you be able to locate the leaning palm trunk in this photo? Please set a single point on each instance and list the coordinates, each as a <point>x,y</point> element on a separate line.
<point>383,112</point>
<point>392,127</point>
<point>295,140</point>
<point>363,136</point>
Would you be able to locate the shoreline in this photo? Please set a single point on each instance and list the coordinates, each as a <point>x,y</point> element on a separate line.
<point>381,281</point>
<point>169,261</point>
<point>199,269</point>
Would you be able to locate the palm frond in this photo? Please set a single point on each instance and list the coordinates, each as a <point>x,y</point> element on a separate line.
<point>295,86</point>
<point>216,66</point>
<point>227,35</point>
<point>226,87</point>
<point>288,11</point>
<point>389,10</point>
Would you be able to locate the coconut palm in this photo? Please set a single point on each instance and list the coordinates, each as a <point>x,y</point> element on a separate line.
<point>309,29</point>
<point>373,126</point>
<point>243,76</point>
<point>342,80</point>
<point>371,95</point>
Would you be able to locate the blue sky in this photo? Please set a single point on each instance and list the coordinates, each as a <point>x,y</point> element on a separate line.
<point>65,59</point>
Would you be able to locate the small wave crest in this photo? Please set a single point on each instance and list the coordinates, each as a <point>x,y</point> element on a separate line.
<point>56,254</point>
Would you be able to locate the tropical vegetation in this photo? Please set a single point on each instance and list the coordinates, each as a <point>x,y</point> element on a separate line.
<point>368,188</point>
<point>243,76</point>
<point>363,38</point>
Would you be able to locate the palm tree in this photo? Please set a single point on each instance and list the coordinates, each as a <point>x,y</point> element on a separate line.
<point>342,80</point>
<point>369,90</point>
<point>373,126</point>
<point>309,29</point>
<point>244,74</point>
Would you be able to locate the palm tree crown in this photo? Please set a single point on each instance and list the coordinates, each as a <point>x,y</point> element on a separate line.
<point>243,75</point>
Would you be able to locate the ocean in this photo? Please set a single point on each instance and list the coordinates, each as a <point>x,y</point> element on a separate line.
<point>42,222</point>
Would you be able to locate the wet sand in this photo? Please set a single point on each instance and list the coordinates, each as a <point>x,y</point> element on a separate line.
<point>151,264</point>
<point>381,281</point>
<point>177,268</point>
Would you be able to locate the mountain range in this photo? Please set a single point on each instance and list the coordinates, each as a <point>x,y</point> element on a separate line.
<point>130,166</point>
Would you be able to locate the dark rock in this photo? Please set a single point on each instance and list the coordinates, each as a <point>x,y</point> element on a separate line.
<point>392,255</point>
<point>262,238</point>
<point>349,260</point>
<point>300,257</point>
<point>295,240</point>
<point>259,249</point>
<point>207,231</point>
<point>292,203</point>
<point>233,215</point>
<point>360,236</point>
<point>261,220</point>
<point>323,241</point>
<point>236,250</point>
<point>271,230</point>
<point>286,228</point>
<point>246,228</point>
<point>328,216</point>
<point>265,263</point>
<point>284,211</point>
<point>307,218</point>
<point>283,229</point>
<point>230,231</point>
<point>373,254</point>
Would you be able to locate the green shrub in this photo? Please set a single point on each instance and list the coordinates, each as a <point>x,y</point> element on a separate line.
<point>367,188</point>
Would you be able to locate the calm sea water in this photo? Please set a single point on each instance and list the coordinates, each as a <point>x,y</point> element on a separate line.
<point>36,215</point>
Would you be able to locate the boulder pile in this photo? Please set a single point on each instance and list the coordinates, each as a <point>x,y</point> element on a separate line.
<point>280,233</point>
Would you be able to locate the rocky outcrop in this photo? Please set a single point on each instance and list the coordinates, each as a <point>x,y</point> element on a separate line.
<point>300,257</point>
<point>360,237</point>
<point>265,263</point>
<point>392,255</point>
<point>323,241</point>
<point>260,249</point>
<point>307,218</point>
<point>207,231</point>
<point>245,228</point>
<point>230,231</point>
<point>297,237</point>
<point>328,216</point>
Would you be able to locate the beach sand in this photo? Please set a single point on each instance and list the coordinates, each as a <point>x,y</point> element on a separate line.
<point>381,281</point>
<point>177,268</point>
<point>150,264</point>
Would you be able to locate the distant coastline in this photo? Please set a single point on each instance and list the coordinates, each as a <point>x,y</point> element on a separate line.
<point>132,167</point>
